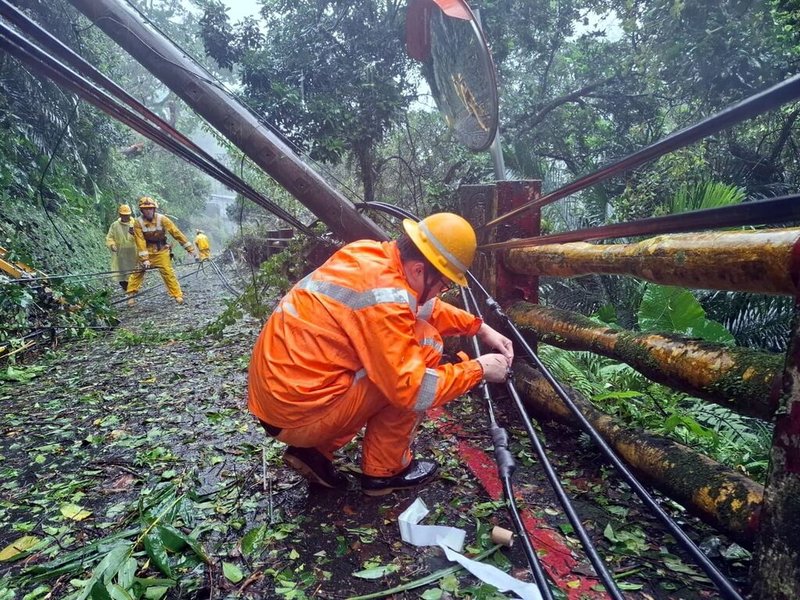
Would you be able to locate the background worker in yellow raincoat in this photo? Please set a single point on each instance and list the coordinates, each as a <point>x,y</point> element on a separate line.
<point>202,244</point>
<point>119,240</point>
<point>358,343</point>
<point>150,232</point>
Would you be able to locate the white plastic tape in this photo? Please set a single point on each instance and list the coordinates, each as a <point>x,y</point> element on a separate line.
<point>451,540</point>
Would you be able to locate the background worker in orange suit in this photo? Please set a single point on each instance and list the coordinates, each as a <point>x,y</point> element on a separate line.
<point>120,242</point>
<point>202,244</point>
<point>150,232</point>
<point>358,343</point>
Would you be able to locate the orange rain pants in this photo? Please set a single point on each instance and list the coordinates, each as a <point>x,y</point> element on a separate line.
<point>158,260</point>
<point>348,346</point>
<point>390,430</point>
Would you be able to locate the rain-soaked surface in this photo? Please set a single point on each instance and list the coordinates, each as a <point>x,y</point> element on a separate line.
<point>139,442</point>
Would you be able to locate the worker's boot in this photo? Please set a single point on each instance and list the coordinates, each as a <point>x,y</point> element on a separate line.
<point>314,466</point>
<point>417,473</point>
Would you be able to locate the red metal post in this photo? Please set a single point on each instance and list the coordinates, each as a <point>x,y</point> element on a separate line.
<point>510,195</point>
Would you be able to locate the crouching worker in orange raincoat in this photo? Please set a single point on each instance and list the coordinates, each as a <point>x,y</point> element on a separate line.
<point>358,343</point>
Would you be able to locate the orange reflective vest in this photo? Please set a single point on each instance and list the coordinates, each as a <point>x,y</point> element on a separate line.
<point>353,317</point>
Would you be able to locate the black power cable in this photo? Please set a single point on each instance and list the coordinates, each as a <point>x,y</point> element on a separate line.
<point>552,477</point>
<point>222,277</point>
<point>162,133</point>
<point>505,470</point>
<point>723,584</point>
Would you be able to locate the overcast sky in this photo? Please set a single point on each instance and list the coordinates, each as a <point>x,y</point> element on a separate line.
<point>241,8</point>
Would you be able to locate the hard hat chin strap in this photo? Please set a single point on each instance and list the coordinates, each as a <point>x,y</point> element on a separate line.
<point>431,278</point>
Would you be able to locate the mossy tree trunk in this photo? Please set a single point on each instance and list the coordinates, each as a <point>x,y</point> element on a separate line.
<point>717,494</point>
<point>743,380</point>
<point>754,261</point>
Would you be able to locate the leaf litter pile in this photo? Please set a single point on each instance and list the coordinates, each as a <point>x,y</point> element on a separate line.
<point>130,468</point>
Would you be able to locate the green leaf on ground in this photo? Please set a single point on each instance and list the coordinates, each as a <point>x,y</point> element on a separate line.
<point>232,572</point>
<point>375,572</point>
<point>74,512</point>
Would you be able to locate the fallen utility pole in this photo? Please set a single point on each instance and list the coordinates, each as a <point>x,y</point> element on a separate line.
<point>187,79</point>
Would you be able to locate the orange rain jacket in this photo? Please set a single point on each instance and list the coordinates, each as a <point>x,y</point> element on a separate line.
<point>353,316</point>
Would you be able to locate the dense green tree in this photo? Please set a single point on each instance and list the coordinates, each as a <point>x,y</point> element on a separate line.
<point>65,165</point>
<point>586,82</point>
<point>331,75</point>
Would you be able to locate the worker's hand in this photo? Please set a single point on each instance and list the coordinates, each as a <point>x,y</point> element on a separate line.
<point>113,247</point>
<point>495,367</point>
<point>145,264</point>
<point>494,340</point>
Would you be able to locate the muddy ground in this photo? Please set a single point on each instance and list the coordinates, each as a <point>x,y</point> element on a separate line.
<point>141,437</point>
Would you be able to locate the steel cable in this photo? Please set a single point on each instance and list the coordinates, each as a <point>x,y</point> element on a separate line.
<point>162,133</point>
<point>720,581</point>
<point>591,552</point>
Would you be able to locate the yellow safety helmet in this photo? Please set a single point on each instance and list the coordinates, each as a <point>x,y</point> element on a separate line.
<point>147,202</point>
<point>448,242</point>
<point>124,209</point>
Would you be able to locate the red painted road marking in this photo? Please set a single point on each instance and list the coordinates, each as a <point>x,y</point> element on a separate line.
<point>555,556</point>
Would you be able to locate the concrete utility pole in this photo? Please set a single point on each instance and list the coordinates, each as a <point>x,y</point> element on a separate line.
<point>187,79</point>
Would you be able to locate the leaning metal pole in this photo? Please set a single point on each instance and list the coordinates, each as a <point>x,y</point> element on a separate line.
<point>187,79</point>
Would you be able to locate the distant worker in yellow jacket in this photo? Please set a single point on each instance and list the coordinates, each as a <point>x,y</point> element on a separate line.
<point>203,245</point>
<point>119,240</point>
<point>150,232</point>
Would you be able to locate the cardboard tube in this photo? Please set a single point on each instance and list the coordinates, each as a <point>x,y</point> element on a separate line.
<point>502,536</point>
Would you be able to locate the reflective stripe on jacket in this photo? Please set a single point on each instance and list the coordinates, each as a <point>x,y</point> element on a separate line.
<point>151,236</point>
<point>353,317</point>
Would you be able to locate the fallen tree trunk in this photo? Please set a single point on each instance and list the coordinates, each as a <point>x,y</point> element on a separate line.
<point>720,496</point>
<point>747,261</point>
<point>743,380</point>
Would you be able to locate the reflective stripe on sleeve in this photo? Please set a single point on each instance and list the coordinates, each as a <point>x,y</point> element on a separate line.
<point>438,348</point>
<point>427,390</point>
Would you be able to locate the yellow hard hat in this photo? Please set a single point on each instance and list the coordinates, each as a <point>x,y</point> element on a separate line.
<point>147,202</point>
<point>447,241</point>
<point>124,209</point>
